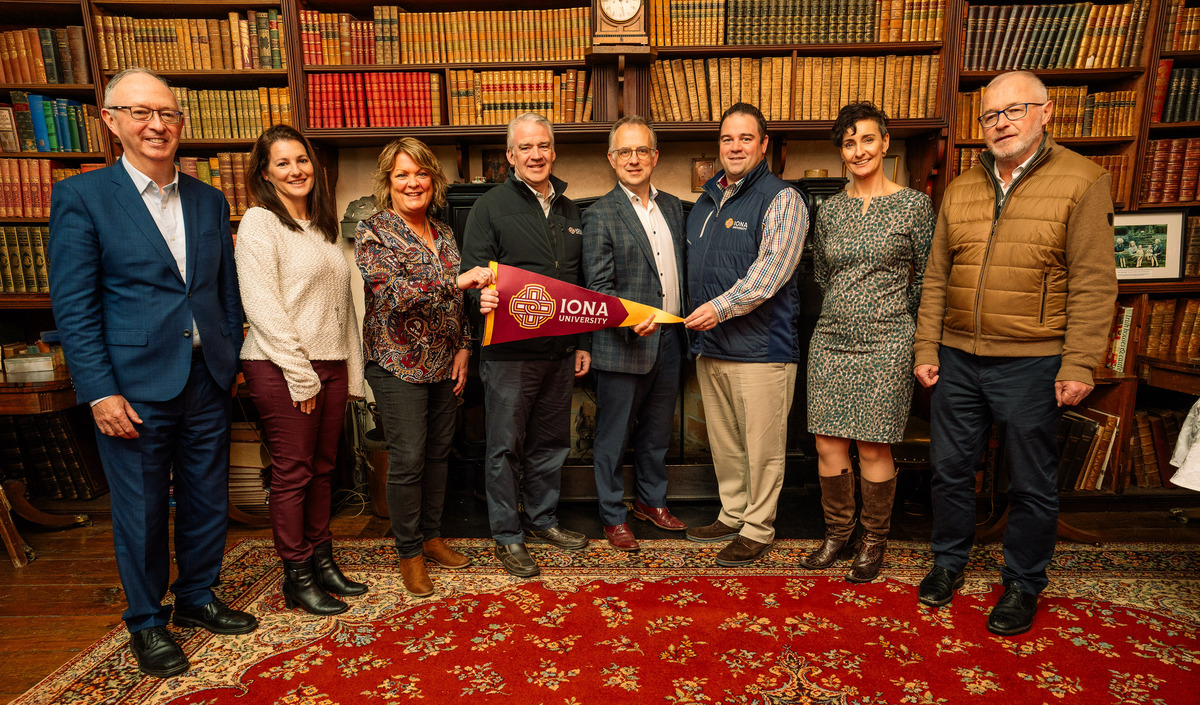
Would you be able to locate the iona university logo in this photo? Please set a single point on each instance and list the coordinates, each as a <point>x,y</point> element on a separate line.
<point>531,307</point>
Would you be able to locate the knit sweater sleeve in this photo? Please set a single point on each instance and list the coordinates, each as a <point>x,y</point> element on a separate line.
<point>258,255</point>
<point>931,313</point>
<point>1091,282</point>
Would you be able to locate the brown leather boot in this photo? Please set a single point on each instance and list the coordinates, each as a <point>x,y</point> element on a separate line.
<point>416,579</point>
<point>436,550</point>
<point>837,501</point>
<point>876,519</point>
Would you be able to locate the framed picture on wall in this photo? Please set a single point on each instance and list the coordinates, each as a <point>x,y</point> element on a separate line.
<point>494,165</point>
<point>1148,246</point>
<point>703,169</point>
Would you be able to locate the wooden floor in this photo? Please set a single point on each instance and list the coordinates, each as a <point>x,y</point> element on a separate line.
<point>70,596</point>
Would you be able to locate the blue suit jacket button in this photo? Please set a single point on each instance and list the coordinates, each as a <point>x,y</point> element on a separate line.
<point>187,334</point>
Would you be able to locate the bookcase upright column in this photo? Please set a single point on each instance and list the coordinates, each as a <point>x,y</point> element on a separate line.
<point>636,94</point>
<point>605,98</point>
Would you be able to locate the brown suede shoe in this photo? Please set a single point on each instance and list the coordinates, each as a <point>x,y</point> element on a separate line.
<point>712,533</point>
<point>741,551</point>
<point>416,579</point>
<point>437,551</point>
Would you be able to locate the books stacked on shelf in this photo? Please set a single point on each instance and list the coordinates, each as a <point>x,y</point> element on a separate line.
<point>54,453</point>
<point>25,185</point>
<point>394,36</point>
<point>750,22</point>
<point>495,97</point>
<point>1115,164</point>
<point>686,90</point>
<point>391,99</point>
<point>1118,338</point>
<point>1161,323</point>
<point>1077,113</point>
<point>1191,252</point>
<point>1087,457</point>
<point>23,268</point>
<point>44,55</point>
<point>248,469</point>
<point>1155,433</point>
<point>255,41</point>
<point>240,114</point>
<point>225,172</point>
<point>1182,31</point>
<point>1171,170</point>
<point>1166,340</point>
<point>1080,35</point>
<point>1176,93</point>
<point>45,124</point>
<point>967,158</point>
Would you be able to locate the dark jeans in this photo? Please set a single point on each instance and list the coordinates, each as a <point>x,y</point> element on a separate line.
<point>182,442</point>
<point>1017,393</point>
<point>645,402</point>
<point>528,407</point>
<point>418,425</point>
<point>303,452</point>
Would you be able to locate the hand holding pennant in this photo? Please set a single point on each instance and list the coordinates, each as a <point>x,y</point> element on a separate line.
<point>532,305</point>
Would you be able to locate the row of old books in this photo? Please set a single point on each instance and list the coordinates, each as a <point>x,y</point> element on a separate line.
<point>1087,443</point>
<point>44,55</point>
<point>53,453</point>
<point>1119,335</point>
<point>239,114</point>
<point>700,89</point>
<point>494,97</point>
<point>1191,252</point>
<point>1115,164</point>
<point>394,36</point>
<point>255,41</point>
<point>392,99</point>
<point>249,469</point>
<point>1077,113</point>
<point>1080,35</point>
<point>1182,31</point>
<point>23,259</point>
<point>1171,170</point>
<point>1176,94</point>
<point>776,22</point>
<point>225,172</point>
<point>38,123</point>
<point>25,185</point>
<point>1164,339</point>
<point>1154,435</point>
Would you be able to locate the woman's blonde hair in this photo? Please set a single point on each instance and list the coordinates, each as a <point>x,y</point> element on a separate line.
<point>419,152</point>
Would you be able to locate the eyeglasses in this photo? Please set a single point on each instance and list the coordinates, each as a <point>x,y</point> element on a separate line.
<point>625,153</point>
<point>137,112</point>
<point>1013,113</point>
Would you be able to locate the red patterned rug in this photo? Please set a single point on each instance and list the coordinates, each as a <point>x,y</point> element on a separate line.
<point>665,625</point>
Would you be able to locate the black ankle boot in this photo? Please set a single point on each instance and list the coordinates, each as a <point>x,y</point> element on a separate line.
<point>300,589</point>
<point>329,576</point>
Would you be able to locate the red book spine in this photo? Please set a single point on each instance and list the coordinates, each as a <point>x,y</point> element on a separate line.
<point>360,102</point>
<point>44,169</point>
<point>314,118</point>
<point>1191,170</point>
<point>1162,81</point>
<point>393,98</point>
<point>1174,170</point>
<point>372,112</point>
<point>427,99</point>
<point>401,100</point>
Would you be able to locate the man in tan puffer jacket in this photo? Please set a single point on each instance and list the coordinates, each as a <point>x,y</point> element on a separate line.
<point>1017,302</point>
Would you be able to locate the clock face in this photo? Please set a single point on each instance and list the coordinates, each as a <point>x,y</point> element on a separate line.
<point>620,10</point>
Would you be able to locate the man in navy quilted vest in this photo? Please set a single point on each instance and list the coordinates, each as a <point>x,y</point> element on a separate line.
<point>744,238</point>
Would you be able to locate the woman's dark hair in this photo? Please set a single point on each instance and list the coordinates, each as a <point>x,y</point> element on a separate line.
<point>849,115</point>
<point>262,192</point>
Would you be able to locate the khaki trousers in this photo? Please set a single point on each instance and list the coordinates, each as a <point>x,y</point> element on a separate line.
<point>746,407</point>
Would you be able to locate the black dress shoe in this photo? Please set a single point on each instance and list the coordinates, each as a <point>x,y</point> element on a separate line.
<point>1013,613</point>
<point>938,586</point>
<point>157,653</point>
<point>557,536</point>
<point>216,618</point>
<point>516,560</point>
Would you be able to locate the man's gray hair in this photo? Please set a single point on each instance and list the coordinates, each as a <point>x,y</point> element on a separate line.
<point>112,85</point>
<point>536,118</point>
<point>1043,94</point>
<point>631,120</point>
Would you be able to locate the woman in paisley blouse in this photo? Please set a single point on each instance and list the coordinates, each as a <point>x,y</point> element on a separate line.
<point>869,253</point>
<point>417,343</point>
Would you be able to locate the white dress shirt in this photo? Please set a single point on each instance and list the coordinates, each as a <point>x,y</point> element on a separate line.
<point>659,234</point>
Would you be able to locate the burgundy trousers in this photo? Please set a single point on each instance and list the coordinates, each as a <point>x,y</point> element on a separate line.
<point>303,451</point>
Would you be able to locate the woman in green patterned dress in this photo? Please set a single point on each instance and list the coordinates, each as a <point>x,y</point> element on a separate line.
<point>869,253</point>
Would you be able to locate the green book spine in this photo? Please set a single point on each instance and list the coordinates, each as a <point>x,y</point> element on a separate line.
<point>6,279</point>
<point>25,247</point>
<point>20,102</point>
<point>46,39</point>
<point>39,236</point>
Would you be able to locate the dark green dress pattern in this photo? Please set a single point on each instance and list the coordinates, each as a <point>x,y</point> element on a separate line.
<point>869,267</point>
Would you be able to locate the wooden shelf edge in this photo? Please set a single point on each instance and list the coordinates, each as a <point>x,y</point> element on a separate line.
<point>476,65</point>
<point>1190,125</point>
<point>222,73</point>
<point>39,87</point>
<point>826,49</point>
<point>1081,141</point>
<point>1180,286</point>
<point>1177,205</point>
<point>51,155</point>
<point>24,301</point>
<point>1054,74</point>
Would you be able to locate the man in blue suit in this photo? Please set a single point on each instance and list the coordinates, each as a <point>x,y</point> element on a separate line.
<point>145,296</point>
<point>633,246</point>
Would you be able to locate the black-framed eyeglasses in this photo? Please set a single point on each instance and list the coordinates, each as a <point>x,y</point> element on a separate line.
<point>137,112</point>
<point>625,153</point>
<point>1012,112</point>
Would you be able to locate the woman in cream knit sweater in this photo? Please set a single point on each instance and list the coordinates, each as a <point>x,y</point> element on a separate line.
<point>302,358</point>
